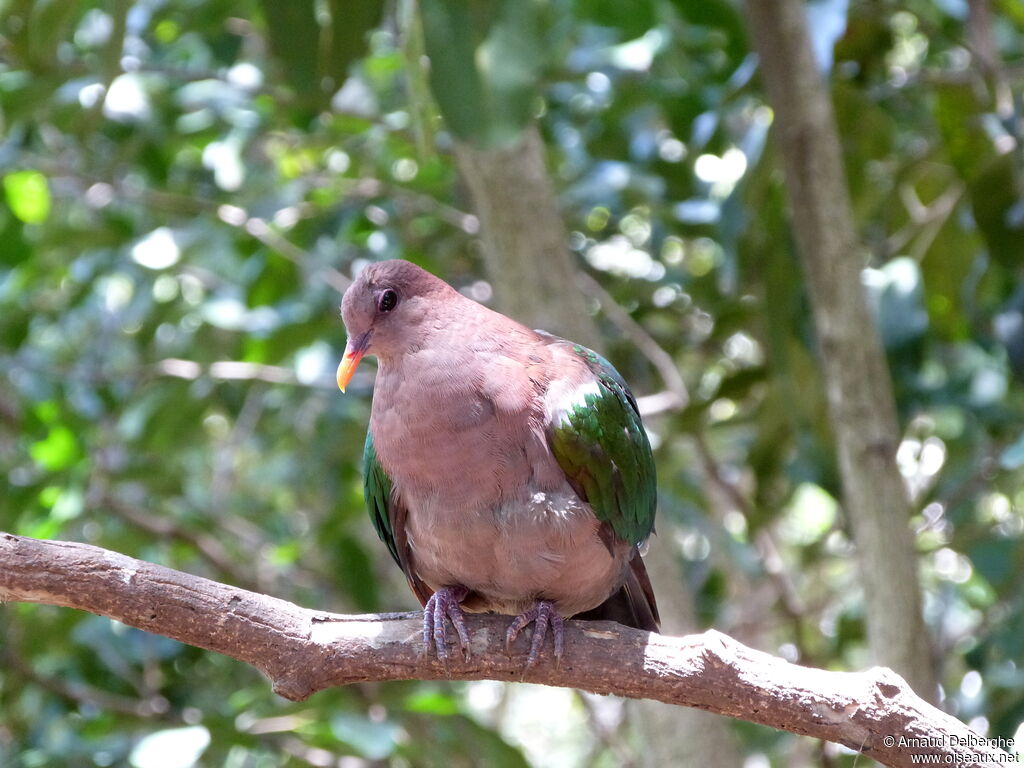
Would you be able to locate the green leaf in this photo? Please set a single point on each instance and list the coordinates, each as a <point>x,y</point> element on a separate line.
<point>294,41</point>
<point>48,24</point>
<point>316,58</point>
<point>357,573</point>
<point>16,248</point>
<point>630,20</point>
<point>958,109</point>
<point>58,450</point>
<point>432,703</point>
<point>485,60</point>
<point>68,506</point>
<point>370,739</point>
<point>714,14</point>
<point>995,201</point>
<point>28,196</point>
<point>39,529</point>
<point>460,740</point>
<point>351,20</point>
<point>995,559</point>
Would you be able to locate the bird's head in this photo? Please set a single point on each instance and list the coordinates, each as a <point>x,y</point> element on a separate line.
<point>386,310</point>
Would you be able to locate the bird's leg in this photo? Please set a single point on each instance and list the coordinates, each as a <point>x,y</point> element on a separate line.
<point>542,614</point>
<point>445,602</point>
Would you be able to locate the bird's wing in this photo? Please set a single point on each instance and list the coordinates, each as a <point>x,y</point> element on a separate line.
<point>377,492</point>
<point>388,514</point>
<point>599,442</point>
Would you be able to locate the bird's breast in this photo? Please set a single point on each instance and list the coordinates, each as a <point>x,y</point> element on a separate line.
<point>488,506</point>
<point>441,432</point>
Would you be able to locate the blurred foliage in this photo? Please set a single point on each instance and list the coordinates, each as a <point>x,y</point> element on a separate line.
<point>186,185</point>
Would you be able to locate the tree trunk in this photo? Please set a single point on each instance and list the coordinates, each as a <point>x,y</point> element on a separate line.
<point>861,405</point>
<point>529,264</point>
<point>524,238</point>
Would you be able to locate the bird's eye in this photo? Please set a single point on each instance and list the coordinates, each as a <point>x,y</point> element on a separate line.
<point>388,300</point>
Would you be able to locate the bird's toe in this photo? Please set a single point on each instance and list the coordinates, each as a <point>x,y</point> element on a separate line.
<point>445,603</point>
<point>543,615</point>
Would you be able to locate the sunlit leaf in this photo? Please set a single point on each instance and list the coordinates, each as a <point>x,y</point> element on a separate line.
<point>28,196</point>
<point>896,294</point>
<point>811,514</point>
<point>171,748</point>
<point>58,450</point>
<point>432,702</point>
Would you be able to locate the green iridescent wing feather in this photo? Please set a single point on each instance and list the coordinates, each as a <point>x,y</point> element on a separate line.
<point>389,514</point>
<point>602,447</point>
<point>377,491</point>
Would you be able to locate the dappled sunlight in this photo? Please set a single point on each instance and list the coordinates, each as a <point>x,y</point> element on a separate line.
<point>188,188</point>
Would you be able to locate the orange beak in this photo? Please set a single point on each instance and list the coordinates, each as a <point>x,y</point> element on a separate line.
<point>354,351</point>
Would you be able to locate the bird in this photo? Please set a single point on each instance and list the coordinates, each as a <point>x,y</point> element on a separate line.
<point>506,469</point>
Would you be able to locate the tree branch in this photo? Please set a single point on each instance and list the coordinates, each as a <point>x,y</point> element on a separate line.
<point>304,651</point>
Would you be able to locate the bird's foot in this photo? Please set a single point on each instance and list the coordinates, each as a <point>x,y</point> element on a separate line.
<point>445,602</point>
<point>543,614</point>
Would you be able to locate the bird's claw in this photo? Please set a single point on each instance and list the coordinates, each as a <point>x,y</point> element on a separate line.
<point>543,614</point>
<point>445,603</point>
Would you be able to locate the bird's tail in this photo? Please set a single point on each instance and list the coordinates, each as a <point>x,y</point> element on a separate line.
<point>633,604</point>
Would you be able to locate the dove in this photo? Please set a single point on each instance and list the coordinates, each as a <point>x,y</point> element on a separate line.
<point>506,469</point>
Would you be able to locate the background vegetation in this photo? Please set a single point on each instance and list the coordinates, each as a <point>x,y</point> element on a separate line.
<point>186,188</point>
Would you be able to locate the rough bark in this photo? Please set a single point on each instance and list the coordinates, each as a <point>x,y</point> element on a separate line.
<point>524,239</point>
<point>859,391</point>
<point>304,651</point>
